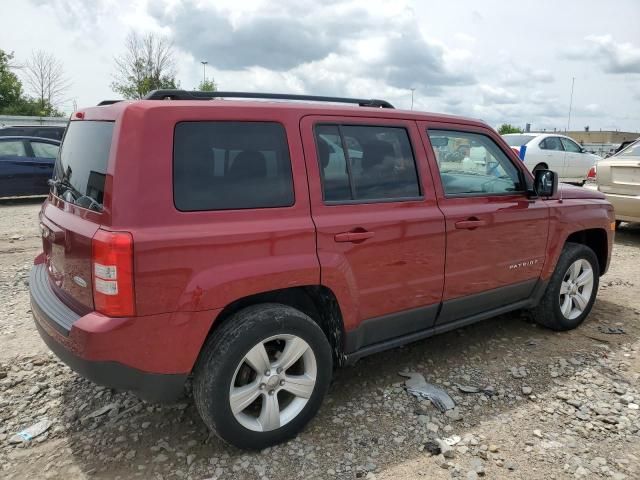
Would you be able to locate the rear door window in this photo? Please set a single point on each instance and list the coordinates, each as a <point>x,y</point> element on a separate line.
<point>13,148</point>
<point>81,167</point>
<point>231,165</point>
<point>363,163</point>
<point>551,143</point>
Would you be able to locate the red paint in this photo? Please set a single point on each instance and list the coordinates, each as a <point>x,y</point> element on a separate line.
<point>187,266</point>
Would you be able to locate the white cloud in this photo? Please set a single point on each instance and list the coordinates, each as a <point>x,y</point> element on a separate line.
<point>613,56</point>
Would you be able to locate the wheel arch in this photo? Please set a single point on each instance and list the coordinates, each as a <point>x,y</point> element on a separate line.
<point>596,239</point>
<point>317,301</point>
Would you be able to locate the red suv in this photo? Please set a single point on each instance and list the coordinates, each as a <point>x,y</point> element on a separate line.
<point>257,245</point>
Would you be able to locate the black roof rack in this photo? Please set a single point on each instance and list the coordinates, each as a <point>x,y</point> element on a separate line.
<point>197,95</point>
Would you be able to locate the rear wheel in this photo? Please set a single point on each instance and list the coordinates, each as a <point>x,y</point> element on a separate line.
<point>571,291</point>
<point>262,376</point>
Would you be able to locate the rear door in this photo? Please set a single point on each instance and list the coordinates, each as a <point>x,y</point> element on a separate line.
<point>15,168</point>
<point>553,155</point>
<point>75,212</point>
<point>43,157</point>
<point>496,235</point>
<point>380,233</point>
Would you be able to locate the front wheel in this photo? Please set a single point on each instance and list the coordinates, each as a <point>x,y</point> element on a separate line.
<point>571,291</point>
<point>262,376</point>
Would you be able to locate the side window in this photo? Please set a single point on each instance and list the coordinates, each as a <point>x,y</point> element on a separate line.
<point>366,163</point>
<point>570,146</point>
<point>44,150</point>
<point>231,165</point>
<point>13,149</point>
<point>551,143</point>
<point>472,164</point>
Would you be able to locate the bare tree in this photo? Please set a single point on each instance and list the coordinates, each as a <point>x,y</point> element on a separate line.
<point>148,63</point>
<point>45,79</point>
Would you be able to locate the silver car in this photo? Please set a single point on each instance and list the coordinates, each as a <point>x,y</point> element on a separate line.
<point>618,177</point>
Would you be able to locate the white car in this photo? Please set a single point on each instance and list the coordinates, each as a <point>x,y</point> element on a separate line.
<point>554,152</point>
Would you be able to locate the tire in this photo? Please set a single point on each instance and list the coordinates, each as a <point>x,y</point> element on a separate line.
<point>223,367</point>
<point>549,311</point>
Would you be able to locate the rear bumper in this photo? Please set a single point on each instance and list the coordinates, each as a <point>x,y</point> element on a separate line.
<point>626,207</point>
<point>151,356</point>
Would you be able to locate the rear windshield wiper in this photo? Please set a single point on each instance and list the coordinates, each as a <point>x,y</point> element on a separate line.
<point>78,198</point>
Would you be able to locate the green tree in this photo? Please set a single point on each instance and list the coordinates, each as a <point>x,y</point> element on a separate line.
<point>10,85</point>
<point>508,128</point>
<point>208,86</point>
<point>147,64</point>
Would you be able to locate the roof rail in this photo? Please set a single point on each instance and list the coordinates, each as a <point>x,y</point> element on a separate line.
<point>198,95</point>
<point>108,102</point>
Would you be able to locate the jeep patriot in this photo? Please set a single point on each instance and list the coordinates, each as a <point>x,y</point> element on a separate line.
<point>256,245</point>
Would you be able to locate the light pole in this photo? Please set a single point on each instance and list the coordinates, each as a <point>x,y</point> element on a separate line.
<point>412,90</point>
<point>573,81</point>
<point>204,66</point>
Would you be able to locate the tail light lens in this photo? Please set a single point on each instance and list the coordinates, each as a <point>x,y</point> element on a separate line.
<point>112,260</point>
<point>592,173</point>
<point>517,150</point>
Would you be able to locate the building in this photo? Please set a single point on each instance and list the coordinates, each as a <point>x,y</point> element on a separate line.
<point>11,120</point>
<point>601,136</point>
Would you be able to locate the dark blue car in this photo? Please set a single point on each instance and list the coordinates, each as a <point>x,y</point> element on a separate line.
<point>26,163</point>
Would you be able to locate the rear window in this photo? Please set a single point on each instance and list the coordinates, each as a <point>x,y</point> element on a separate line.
<point>231,165</point>
<point>81,166</point>
<point>517,140</point>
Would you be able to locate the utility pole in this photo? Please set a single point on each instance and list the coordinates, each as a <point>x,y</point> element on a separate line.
<point>204,66</point>
<point>412,90</point>
<point>573,81</point>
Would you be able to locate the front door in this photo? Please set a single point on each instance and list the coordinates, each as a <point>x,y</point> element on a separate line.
<point>496,235</point>
<point>380,233</point>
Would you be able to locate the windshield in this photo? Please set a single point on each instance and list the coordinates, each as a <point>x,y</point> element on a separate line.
<point>518,140</point>
<point>632,150</point>
<point>81,166</point>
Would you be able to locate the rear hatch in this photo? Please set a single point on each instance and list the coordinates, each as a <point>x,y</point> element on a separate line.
<point>74,211</point>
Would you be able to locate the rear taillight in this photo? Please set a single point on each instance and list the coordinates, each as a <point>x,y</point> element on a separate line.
<point>112,264</point>
<point>592,173</point>
<point>517,150</point>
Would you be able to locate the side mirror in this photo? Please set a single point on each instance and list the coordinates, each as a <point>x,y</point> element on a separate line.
<point>583,150</point>
<point>545,183</point>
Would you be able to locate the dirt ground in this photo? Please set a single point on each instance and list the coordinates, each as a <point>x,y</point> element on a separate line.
<point>559,405</point>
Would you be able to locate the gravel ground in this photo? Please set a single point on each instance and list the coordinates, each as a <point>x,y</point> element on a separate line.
<point>558,405</point>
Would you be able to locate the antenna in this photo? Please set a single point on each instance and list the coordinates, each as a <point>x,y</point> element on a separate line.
<point>573,81</point>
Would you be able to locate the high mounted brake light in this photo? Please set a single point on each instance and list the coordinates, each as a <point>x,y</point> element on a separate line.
<point>112,273</point>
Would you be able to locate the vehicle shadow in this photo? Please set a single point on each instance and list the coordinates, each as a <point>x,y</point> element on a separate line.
<point>12,201</point>
<point>365,410</point>
<point>628,234</point>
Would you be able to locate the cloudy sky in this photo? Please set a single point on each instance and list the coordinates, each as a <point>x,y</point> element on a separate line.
<point>494,60</point>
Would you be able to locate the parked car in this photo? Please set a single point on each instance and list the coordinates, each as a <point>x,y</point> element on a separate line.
<point>54,132</point>
<point>618,177</point>
<point>26,164</point>
<point>257,245</point>
<point>555,152</point>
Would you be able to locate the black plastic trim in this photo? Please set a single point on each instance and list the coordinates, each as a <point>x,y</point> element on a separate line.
<point>46,304</point>
<point>351,357</point>
<point>457,308</point>
<point>397,324</point>
<point>153,387</point>
<point>197,95</point>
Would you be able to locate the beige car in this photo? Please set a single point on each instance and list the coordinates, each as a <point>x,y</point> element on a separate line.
<point>618,177</point>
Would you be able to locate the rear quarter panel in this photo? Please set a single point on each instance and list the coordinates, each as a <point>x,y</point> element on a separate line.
<point>195,261</point>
